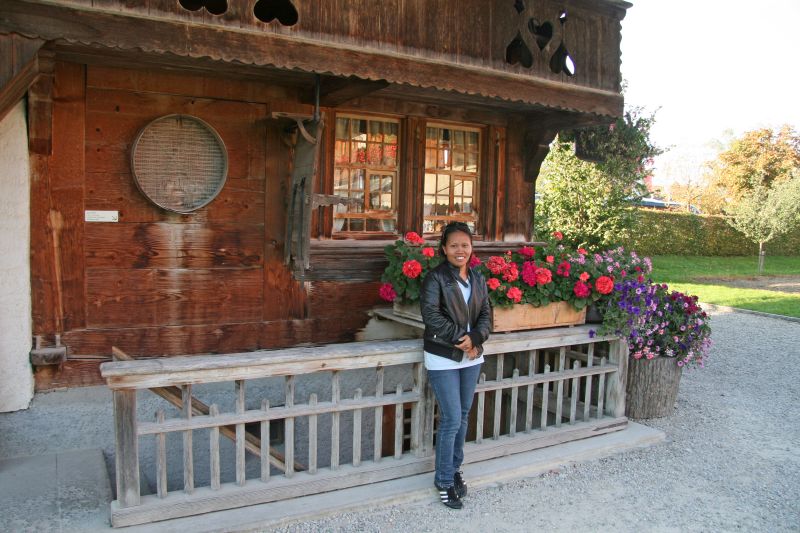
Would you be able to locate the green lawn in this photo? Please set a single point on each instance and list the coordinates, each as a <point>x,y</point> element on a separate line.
<point>686,274</point>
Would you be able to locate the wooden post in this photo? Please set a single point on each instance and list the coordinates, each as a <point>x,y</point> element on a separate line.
<point>357,431</point>
<point>335,419</point>
<point>601,390</point>
<point>398,424</point>
<point>289,427</point>
<point>573,406</point>
<point>213,436</point>
<point>615,390</point>
<point>264,443</point>
<point>127,448</point>
<point>378,438</point>
<point>240,464</point>
<point>481,409</point>
<point>533,357</point>
<point>312,436</point>
<point>188,452</point>
<point>416,409</point>
<point>161,458</point>
<point>512,422</point>
<point>498,398</point>
<point>587,396</point>
<point>545,399</point>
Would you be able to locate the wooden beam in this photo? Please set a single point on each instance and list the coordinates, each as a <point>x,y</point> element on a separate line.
<point>337,91</point>
<point>22,61</point>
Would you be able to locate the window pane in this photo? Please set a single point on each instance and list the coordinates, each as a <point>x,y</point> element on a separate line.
<point>375,131</point>
<point>467,187</point>
<point>374,182</point>
<point>356,224</point>
<point>359,129</point>
<point>430,183</point>
<point>443,184</point>
<point>472,141</point>
<point>341,127</point>
<point>458,188</point>
<point>390,130</point>
<point>357,208</point>
<point>389,155</point>
<point>430,158</point>
<point>472,162</point>
<point>374,154</point>
<point>386,202</point>
<point>427,208</point>
<point>388,225</point>
<point>443,162</point>
<point>357,180</point>
<point>341,155</point>
<point>359,153</point>
<point>458,139</point>
<point>340,179</point>
<point>458,160</point>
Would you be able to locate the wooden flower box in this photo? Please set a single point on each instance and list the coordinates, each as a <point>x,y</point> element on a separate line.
<point>517,317</point>
<point>520,317</point>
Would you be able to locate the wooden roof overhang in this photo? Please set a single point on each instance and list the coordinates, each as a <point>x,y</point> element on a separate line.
<point>76,31</point>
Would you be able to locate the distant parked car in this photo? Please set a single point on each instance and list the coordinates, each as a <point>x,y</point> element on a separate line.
<point>654,203</point>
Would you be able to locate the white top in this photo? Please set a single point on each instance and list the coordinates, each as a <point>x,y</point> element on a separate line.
<point>437,362</point>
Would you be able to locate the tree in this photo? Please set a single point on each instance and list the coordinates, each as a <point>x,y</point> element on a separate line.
<point>768,211</point>
<point>592,203</point>
<point>757,159</point>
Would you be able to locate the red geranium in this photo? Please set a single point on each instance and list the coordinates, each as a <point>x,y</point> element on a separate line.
<point>584,276</point>
<point>582,251</point>
<point>514,294</point>
<point>563,269</point>
<point>558,235</point>
<point>428,252</point>
<point>543,276</point>
<point>550,259</point>
<point>474,261</point>
<point>496,264</point>
<point>581,289</point>
<point>527,251</point>
<point>604,284</point>
<point>493,283</point>
<point>511,273</point>
<point>412,268</point>
<point>413,238</point>
<point>529,273</point>
<point>387,292</point>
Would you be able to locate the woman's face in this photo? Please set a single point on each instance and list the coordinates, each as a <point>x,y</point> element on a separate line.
<point>458,248</point>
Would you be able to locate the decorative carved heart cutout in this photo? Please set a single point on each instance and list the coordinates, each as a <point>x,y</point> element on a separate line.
<point>192,5</point>
<point>269,10</point>
<point>542,32</point>
<point>518,52</point>
<point>562,61</point>
<point>215,7</point>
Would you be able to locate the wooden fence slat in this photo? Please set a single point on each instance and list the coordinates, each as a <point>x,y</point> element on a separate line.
<point>357,432</point>
<point>498,399</point>
<point>312,436</point>
<point>161,458</point>
<point>240,462</point>
<point>335,420</point>
<point>376,453</point>
<point>601,390</point>
<point>587,396</point>
<point>289,427</point>
<point>265,448</point>
<point>213,438</point>
<point>398,424</point>
<point>533,356</point>
<point>418,371</point>
<point>480,413</point>
<point>545,396</point>
<point>512,426</point>
<point>188,456</point>
<point>562,353</point>
<point>574,395</point>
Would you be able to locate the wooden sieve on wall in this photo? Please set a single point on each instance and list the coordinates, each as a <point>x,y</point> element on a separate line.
<point>179,163</point>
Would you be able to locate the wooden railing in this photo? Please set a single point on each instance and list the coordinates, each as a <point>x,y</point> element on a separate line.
<point>537,389</point>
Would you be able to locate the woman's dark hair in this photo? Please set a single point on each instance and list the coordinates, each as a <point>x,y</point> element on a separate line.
<point>453,227</point>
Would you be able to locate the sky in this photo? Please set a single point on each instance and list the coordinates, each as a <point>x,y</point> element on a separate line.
<point>710,68</point>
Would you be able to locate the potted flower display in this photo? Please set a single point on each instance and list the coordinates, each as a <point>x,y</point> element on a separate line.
<point>410,259</point>
<point>665,331</point>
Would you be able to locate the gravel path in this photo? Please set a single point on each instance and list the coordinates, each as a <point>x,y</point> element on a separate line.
<point>731,462</point>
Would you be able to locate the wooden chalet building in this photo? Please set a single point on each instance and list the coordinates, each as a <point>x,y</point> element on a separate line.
<point>429,110</point>
<point>214,177</point>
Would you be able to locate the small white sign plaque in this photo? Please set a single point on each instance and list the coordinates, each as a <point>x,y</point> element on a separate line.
<point>101,216</point>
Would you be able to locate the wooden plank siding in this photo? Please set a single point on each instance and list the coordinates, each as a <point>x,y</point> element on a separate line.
<point>449,45</point>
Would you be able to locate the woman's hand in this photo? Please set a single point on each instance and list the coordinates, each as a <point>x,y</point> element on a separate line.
<point>464,343</point>
<point>473,353</point>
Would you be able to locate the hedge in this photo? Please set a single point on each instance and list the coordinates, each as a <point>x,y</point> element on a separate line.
<point>674,233</point>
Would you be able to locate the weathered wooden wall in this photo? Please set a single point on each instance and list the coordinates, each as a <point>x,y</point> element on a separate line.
<point>159,283</point>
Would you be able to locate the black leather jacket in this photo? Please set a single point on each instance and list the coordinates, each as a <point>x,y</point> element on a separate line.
<point>446,315</point>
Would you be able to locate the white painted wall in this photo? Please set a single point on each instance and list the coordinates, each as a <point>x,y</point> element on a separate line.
<point>16,377</point>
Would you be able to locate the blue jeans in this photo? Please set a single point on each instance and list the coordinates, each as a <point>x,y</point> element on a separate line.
<point>454,390</point>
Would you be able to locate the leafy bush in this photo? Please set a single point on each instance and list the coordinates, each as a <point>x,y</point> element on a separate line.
<point>671,233</point>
